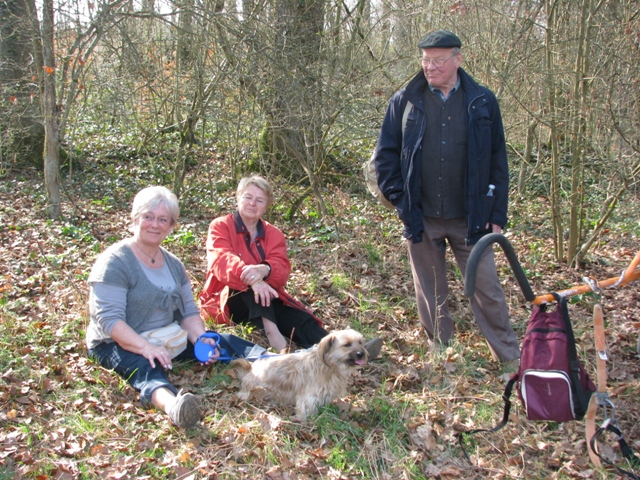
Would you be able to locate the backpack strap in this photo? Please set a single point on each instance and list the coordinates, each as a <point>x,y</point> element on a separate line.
<point>601,395</point>
<point>580,395</point>
<point>626,451</point>
<point>506,396</point>
<point>369,167</point>
<point>405,115</point>
<point>602,399</point>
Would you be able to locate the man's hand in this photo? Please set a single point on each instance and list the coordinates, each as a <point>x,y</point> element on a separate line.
<point>493,227</point>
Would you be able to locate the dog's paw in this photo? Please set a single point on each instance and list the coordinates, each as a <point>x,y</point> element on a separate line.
<point>259,394</point>
<point>306,408</point>
<point>243,395</point>
<point>256,394</point>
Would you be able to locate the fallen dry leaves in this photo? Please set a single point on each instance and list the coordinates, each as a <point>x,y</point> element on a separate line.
<point>62,417</point>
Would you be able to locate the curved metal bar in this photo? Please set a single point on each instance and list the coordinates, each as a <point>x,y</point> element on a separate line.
<point>476,254</point>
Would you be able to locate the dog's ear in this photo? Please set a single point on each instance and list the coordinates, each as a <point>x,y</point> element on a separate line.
<point>238,368</point>
<point>325,346</point>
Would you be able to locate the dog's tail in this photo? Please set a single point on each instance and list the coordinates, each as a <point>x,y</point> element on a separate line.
<point>241,366</point>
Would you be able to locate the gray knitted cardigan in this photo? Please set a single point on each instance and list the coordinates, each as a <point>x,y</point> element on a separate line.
<point>118,266</point>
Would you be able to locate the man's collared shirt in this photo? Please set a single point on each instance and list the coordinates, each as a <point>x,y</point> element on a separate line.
<point>439,92</point>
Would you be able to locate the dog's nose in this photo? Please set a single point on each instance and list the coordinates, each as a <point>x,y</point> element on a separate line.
<point>359,354</point>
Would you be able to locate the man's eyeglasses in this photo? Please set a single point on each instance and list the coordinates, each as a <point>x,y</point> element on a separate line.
<point>436,62</point>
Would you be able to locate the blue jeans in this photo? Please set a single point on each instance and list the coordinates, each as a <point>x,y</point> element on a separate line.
<point>137,370</point>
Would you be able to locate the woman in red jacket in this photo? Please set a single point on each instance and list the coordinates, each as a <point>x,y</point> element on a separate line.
<point>248,268</point>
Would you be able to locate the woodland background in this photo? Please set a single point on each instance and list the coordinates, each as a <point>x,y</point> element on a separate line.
<point>99,99</point>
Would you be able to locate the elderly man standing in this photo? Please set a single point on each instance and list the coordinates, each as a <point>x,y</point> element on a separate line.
<point>441,161</point>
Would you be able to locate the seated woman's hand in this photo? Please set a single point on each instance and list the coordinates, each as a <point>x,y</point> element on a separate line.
<point>216,353</point>
<point>155,353</point>
<point>252,274</point>
<point>263,293</point>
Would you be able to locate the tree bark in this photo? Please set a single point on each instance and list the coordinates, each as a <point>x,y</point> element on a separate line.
<point>526,157</point>
<point>294,114</point>
<point>52,142</point>
<point>556,206</point>
<point>24,134</point>
<point>579,130</point>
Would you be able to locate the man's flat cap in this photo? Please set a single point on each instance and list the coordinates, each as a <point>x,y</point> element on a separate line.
<point>440,39</point>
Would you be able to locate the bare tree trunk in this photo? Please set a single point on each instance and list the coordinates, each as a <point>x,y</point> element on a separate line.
<point>579,130</point>
<point>296,82</point>
<point>556,206</point>
<point>52,142</point>
<point>22,132</point>
<point>526,160</point>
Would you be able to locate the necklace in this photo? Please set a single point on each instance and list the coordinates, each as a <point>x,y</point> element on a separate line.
<point>153,258</point>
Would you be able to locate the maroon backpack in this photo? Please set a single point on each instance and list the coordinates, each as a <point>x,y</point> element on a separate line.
<point>551,382</point>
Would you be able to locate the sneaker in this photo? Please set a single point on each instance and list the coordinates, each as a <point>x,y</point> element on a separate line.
<point>373,348</point>
<point>185,412</point>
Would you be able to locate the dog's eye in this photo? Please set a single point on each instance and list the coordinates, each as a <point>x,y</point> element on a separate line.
<point>348,344</point>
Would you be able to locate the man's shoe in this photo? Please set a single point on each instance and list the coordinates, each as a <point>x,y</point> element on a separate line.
<point>373,348</point>
<point>186,412</point>
<point>511,366</point>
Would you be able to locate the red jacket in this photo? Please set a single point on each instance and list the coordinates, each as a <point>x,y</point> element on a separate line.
<point>229,248</point>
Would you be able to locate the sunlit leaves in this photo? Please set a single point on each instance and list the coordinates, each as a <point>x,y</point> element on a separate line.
<point>64,417</point>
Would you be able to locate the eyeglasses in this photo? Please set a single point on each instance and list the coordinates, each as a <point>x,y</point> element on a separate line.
<point>249,198</point>
<point>436,62</point>
<point>150,218</point>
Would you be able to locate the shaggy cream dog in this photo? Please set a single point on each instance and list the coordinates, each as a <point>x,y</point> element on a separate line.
<point>307,379</point>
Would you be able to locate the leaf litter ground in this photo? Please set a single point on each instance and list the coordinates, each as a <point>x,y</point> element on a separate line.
<point>62,416</point>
